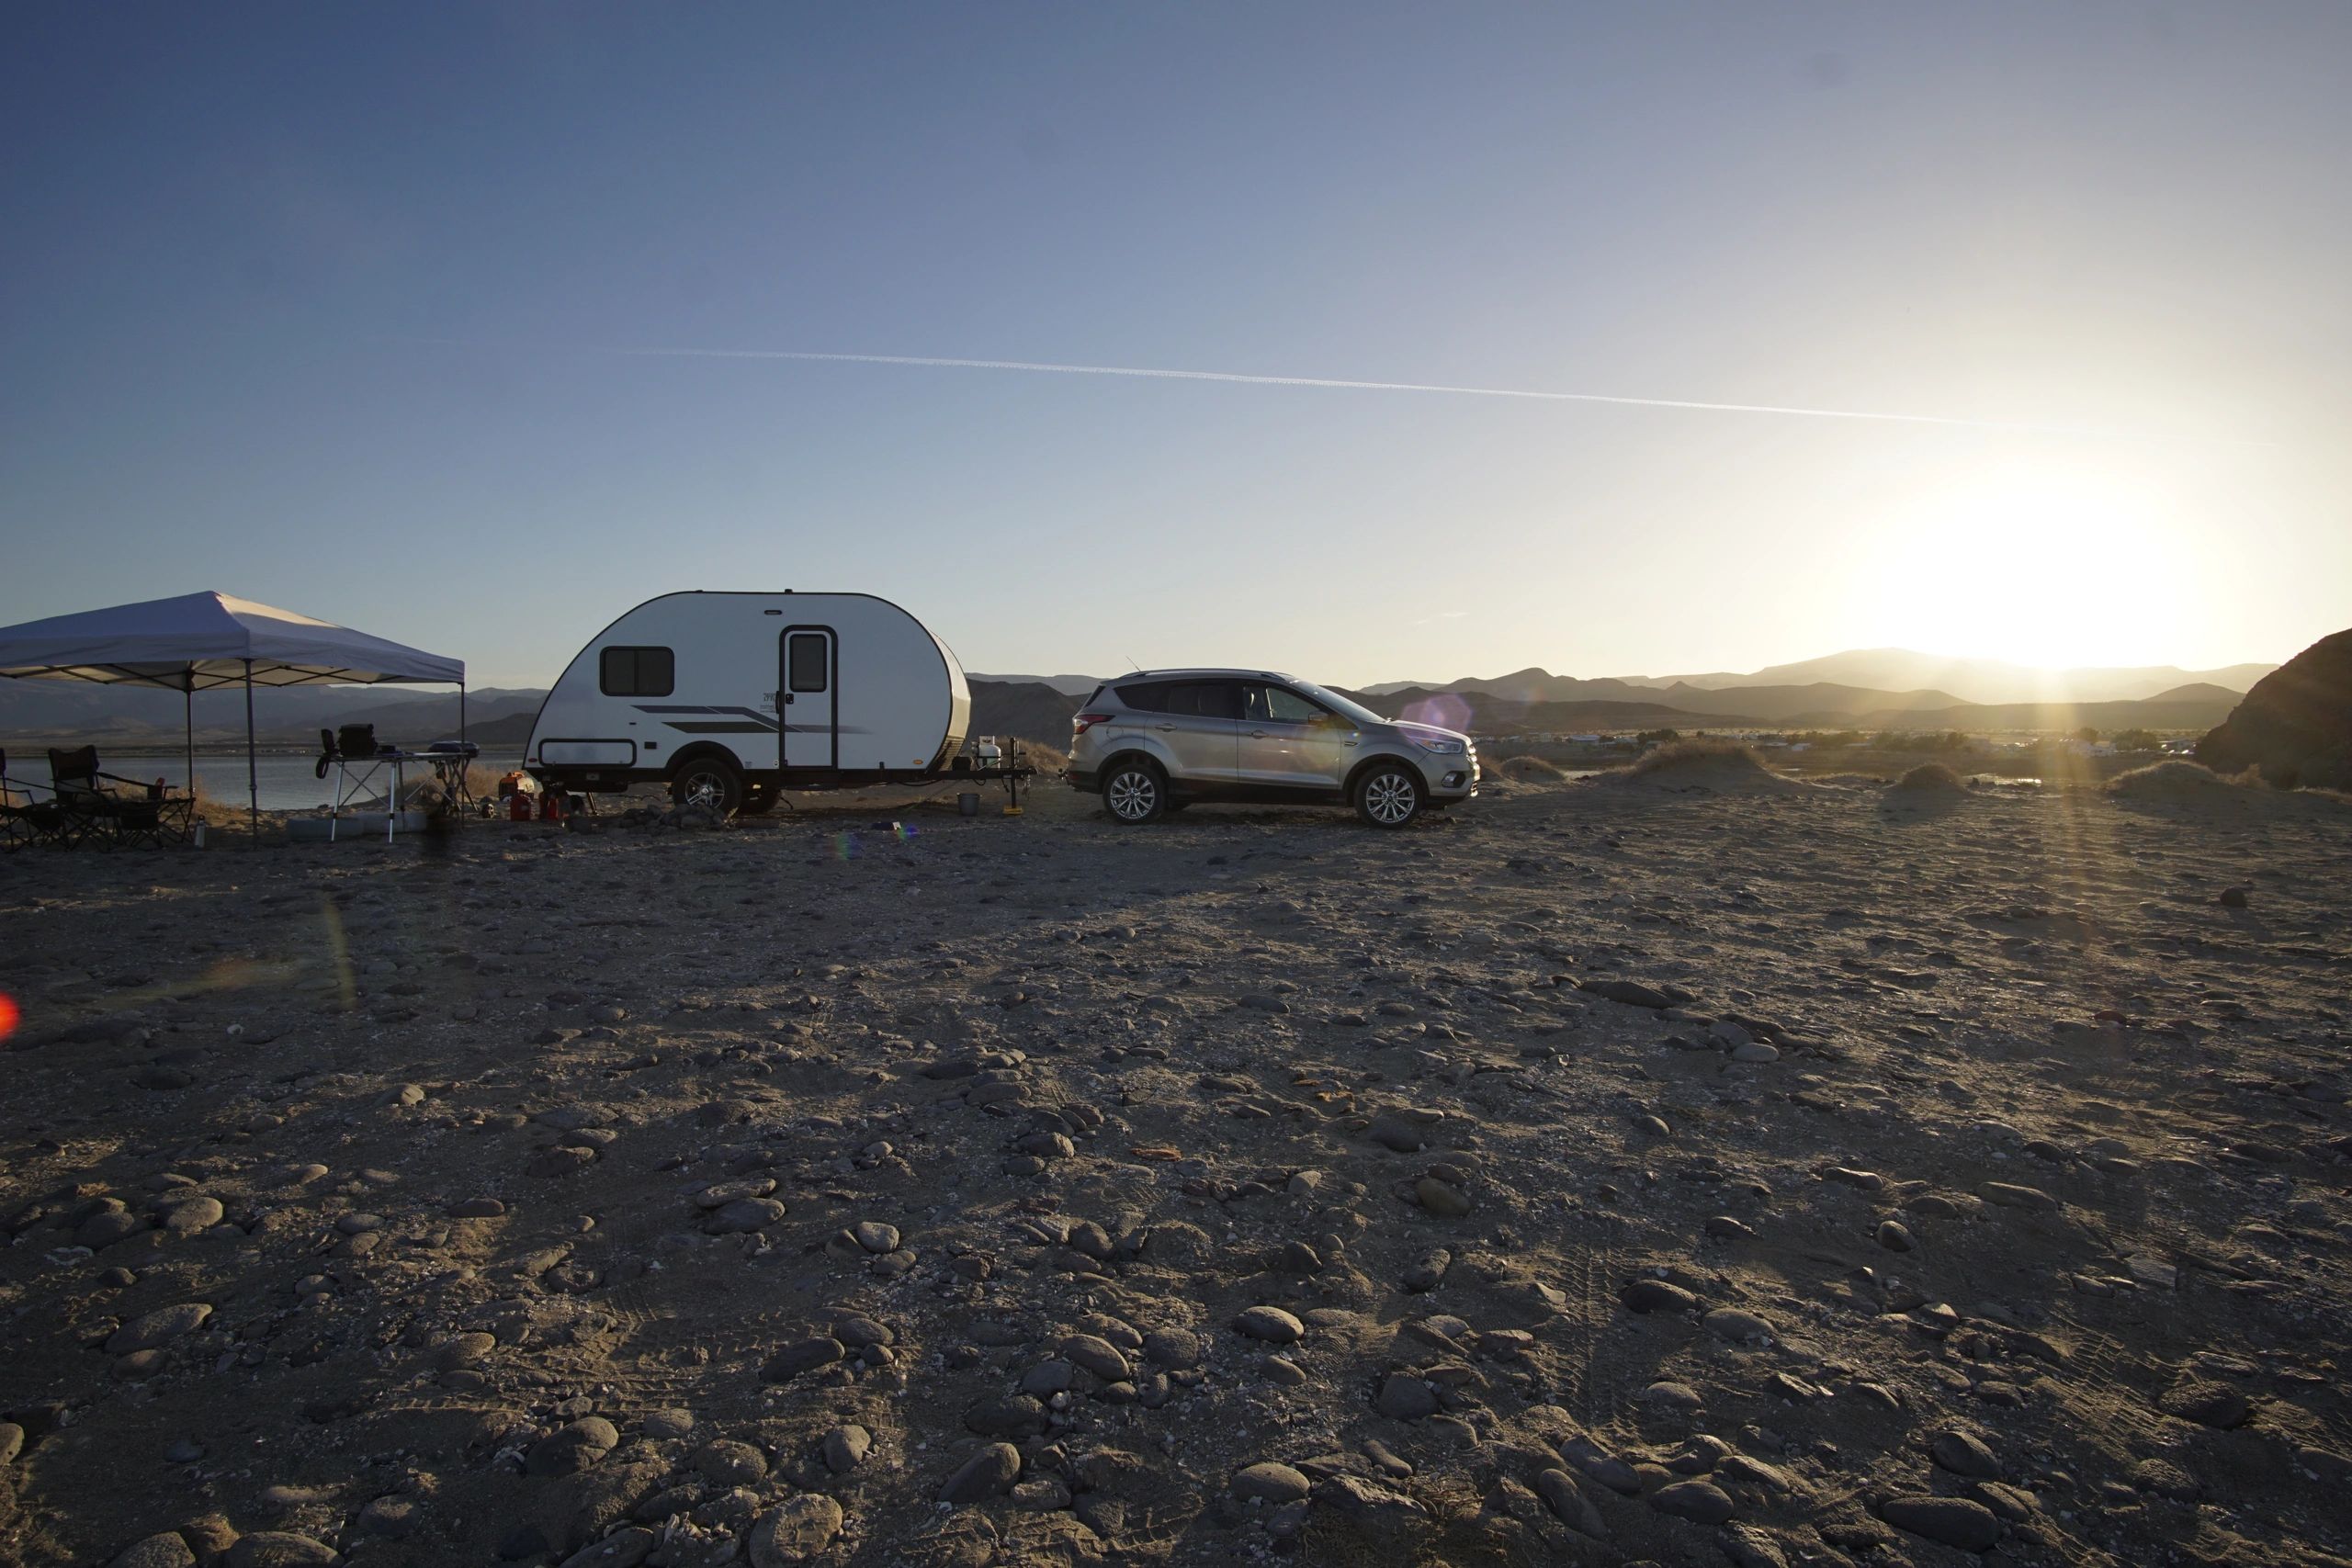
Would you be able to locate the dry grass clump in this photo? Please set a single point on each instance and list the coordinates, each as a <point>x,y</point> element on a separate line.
<point>2178,781</point>
<point>1931,778</point>
<point>1528,770</point>
<point>1704,765</point>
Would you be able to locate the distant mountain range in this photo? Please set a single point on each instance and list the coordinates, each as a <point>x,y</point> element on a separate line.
<point>1865,689</point>
<point>1870,689</point>
<point>1067,685</point>
<point>1882,670</point>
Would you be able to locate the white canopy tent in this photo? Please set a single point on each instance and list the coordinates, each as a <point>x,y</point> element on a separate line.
<point>199,642</point>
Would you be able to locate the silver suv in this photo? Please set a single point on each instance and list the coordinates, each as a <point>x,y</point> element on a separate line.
<point>1160,740</point>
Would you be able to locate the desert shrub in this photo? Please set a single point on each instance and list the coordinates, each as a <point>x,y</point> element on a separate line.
<point>1687,753</point>
<point>2136,741</point>
<point>2178,780</point>
<point>1528,770</point>
<point>1658,736</point>
<point>1930,777</point>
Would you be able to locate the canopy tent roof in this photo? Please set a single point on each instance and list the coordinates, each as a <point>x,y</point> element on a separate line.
<point>197,641</point>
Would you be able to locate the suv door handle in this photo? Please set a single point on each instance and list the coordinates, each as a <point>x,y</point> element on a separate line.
<point>1165,727</point>
<point>1256,734</point>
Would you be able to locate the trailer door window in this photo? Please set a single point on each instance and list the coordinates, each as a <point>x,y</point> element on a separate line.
<point>803,662</point>
<point>638,672</point>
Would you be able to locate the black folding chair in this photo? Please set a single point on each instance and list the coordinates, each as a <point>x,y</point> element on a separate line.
<point>107,817</point>
<point>25,819</point>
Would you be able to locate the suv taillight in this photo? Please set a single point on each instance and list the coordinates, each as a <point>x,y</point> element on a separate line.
<point>1080,723</point>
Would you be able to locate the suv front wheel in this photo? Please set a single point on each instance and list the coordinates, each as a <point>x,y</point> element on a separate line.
<point>1389,795</point>
<point>1134,793</point>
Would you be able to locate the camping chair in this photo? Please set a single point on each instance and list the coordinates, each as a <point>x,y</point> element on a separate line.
<point>95,814</point>
<point>25,820</point>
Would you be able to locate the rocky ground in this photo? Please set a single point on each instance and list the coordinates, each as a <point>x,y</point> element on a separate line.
<point>1606,1173</point>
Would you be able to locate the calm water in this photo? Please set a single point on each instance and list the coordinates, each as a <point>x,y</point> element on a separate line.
<point>288,784</point>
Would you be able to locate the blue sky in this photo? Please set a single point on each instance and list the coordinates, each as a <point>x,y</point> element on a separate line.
<point>338,308</point>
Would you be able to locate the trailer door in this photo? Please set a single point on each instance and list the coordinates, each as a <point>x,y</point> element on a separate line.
<point>807,706</point>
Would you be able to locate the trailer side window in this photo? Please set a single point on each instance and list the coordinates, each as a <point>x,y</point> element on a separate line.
<point>804,662</point>
<point>638,672</point>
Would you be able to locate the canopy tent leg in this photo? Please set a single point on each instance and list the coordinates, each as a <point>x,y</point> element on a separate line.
<point>461,710</point>
<point>187,730</point>
<point>253,770</point>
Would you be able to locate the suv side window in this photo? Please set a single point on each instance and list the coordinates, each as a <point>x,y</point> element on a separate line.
<point>1145,696</point>
<point>1203,699</point>
<point>1279,705</point>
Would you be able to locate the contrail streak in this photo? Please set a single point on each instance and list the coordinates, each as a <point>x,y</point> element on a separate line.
<point>1042,368</point>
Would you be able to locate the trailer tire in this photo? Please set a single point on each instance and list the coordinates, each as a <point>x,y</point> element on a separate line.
<point>1134,792</point>
<point>709,783</point>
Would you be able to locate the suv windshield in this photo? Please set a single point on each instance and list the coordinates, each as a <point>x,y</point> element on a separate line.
<point>1339,704</point>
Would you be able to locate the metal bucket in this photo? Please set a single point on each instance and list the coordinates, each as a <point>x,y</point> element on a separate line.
<point>969,804</point>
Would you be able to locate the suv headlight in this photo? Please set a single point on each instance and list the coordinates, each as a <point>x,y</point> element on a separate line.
<point>1439,745</point>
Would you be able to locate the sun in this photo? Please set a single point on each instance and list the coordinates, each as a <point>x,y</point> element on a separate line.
<point>2033,565</point>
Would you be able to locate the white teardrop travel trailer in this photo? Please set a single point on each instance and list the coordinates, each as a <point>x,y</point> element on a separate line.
<point>731,698</point>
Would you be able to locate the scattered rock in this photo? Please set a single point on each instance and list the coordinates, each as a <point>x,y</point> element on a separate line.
<point>1270,1324</point>
<point>1949,1521</point>
<point>846,1448</point>
<point>278,1549</point>
<point>1737,1324</point>
<point>795,1531</point>
<point>164,1551</point>
<point>1648,1295</point>
<point>2206,1402</point>
<point>1701,1502</point>
<point>572,1448</point>
<point>157,1328</point>
<point>985,1475</point>
<point>1405,1398</point>
<point>1267,1481</point>
<point>1964,1454</point>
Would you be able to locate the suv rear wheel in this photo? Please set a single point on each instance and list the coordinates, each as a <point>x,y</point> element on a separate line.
<point>1389,795</point>
<point>1134,792</point>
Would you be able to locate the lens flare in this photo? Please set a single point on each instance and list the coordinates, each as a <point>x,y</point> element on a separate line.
<point>8,1015</point>
<point>1441,710</point>
<point>844,846</point>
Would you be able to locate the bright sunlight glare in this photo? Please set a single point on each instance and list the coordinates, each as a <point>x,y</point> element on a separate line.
<point>2041,566</point>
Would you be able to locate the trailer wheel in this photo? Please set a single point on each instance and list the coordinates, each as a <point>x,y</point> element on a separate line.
<point>1134,792</point>
<point>707,783</point>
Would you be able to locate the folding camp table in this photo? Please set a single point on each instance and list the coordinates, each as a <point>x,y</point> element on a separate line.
<point>447,760</point>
